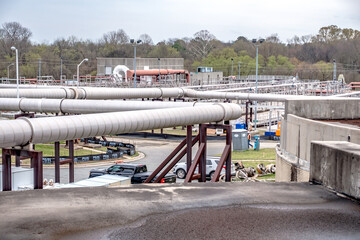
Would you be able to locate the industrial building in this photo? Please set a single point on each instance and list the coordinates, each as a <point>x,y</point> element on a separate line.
<point>105,66</point>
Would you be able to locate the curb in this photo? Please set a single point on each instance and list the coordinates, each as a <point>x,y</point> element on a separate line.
<point>96,164</point>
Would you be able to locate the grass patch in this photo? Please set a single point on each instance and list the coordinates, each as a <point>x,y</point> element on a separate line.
<point>135,155</point>
<point>49,151</point>
<point>262,154</point>
<point>255,163</point>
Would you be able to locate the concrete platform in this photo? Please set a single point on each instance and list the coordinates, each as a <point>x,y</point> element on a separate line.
<point>181,211</point>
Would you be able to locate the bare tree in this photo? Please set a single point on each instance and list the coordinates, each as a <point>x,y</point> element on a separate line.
<point>13,34</point>
<point>202,43</point>
<point>146,39</point>
<point>115,37</point>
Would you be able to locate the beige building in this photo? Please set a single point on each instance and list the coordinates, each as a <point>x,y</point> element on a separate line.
<point>105,66</point>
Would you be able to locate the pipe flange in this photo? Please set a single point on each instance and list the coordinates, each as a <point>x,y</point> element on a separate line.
<point>27,120</point>
<point>19,106</point>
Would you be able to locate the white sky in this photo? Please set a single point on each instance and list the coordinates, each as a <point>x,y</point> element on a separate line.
<point>164,19</point>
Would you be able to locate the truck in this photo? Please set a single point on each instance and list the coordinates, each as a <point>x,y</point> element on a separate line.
<point>137,172</point>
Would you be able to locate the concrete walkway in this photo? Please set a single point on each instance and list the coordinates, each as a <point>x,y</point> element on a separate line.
<point>180,211</point>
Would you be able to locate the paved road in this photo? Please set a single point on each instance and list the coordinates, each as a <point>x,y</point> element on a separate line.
<point>155,150</point>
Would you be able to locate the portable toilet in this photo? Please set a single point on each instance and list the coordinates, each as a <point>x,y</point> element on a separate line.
<point>240,139</point>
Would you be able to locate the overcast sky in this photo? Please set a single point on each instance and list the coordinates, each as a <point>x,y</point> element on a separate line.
<point>164,19</point>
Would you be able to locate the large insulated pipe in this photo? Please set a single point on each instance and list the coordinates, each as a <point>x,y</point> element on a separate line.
<point>74,106</point>
<point>21,131</point>
<point>43,93</point>
<point>131,93</point>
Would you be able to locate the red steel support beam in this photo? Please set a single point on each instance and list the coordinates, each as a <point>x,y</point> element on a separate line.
<point>202,162</point>
<point>246,114</point>
<point>251,112</point>
<point>188,147</point>
<point>175,161</point>
<point>166,161</point>
<point>190,174</point>
<point>6,167</point>
<point>71,164</point>
<point>222,161</point>
<point>57,162</point>
<point>36,159</point>
<point>228,159</point>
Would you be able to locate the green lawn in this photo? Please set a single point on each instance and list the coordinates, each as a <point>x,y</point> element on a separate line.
<point>262,154</point>
<point>49,151</point>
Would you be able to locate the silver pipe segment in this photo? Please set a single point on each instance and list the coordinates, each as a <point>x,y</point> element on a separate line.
<point>74,106</point>
<point>351,94</point>
<point>131,93</point>
<point>21,131</point>
<point>42,93</point>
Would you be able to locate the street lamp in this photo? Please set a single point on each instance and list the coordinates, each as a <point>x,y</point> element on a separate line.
<point>17,70</point>
<point>11,64</point>
<point>239,71</point>
<point>132,41</point>
<point>232,67</point>
<point>334,74</point>
<point>77,72</point>
<point>61,63</point>
<point>159,70</point>
<point>257,44</point>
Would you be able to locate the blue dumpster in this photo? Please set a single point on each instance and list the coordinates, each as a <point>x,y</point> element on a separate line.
<point>240,126</point>
<point>257,143</point>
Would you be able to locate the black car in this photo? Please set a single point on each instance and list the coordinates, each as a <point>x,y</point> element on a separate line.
<point>137,172</point>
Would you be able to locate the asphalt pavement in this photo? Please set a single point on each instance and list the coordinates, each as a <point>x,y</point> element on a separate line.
<point>180,211</point>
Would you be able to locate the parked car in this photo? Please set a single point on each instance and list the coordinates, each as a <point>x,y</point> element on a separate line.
<point>211,165</point>
<point>137,172</point>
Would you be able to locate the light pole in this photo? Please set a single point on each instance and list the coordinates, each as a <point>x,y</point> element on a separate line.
<point>17,70</point>
<point>159,70</point>
<point>77,72</point>
<point>232,67</point>
<point>11,64</point>
<point>134,44</point>
<point>239,71</point>
<point>334,74</point>
<point>39,68</point>
<point>61,81</point>
<point>257,44</point>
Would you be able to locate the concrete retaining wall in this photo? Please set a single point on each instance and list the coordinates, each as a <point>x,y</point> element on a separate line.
<point>324,108</point>
<point>336,165</point>
<point>295,143</point>
<point>289,169</point>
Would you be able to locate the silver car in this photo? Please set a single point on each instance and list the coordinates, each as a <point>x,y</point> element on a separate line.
<point>211,165</point>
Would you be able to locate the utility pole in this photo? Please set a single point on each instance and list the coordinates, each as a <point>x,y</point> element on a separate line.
<point>334,76</point>
<point>8,69</point>
<point>232,67</point>
<point>61,80</point>
<point>239,71</point>
<point>257,44</point>
<point>39,69</point>
<point>159,70</point>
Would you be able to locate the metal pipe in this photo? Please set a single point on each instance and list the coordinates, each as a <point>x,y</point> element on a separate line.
<point>21,131</point>
<point>129,93</point>
<point>74,106</point>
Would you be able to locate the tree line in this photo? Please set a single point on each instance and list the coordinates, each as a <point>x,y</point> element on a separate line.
<point>308,56</point>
